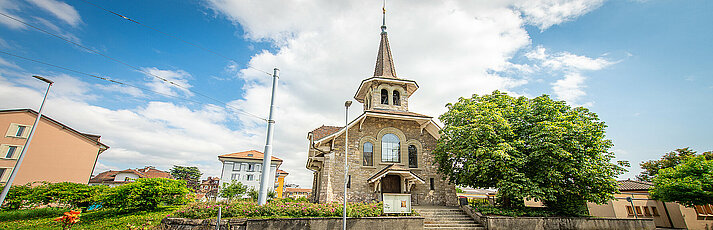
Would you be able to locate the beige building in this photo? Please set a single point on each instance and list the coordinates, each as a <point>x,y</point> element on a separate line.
<point>664,214</point>
<point>295,193</point>
<point>389,146</point>
<point>57,153</point>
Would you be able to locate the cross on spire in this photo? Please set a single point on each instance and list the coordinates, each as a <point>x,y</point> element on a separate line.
<point>384,61</point>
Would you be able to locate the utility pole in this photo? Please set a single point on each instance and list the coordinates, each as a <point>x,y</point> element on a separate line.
<point>267,159</point>
<point>27,143</point>
<point>346,167</point>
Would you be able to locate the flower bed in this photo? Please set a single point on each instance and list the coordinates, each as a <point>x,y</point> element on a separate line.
<point>276,209</point>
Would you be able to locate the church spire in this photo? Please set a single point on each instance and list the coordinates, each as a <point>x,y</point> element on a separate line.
<point>384,62</point>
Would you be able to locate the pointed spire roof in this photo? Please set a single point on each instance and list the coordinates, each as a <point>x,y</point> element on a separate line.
<point>384,61</point>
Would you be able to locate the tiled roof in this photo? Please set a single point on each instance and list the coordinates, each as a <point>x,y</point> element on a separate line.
<point>394,112</point>
<point>324,131</point>
<point>632,185</point>
<point>252,155</point>
<point>148,172</point>
<point>279,171</point>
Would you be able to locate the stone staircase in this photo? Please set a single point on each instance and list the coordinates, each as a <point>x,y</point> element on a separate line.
<point>441,217</point>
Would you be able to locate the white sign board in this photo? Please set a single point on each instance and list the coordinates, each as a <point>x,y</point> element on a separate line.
<point>397,203</point>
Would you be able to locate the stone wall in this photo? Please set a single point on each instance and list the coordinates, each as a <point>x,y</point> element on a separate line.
<point>366,223</point>
<point>557,223</point>
<point>409,132</point>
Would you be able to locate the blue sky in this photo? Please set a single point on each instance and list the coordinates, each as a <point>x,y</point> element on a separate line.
<point>643,66</point>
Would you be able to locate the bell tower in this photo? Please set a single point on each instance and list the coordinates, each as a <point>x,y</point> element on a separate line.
<point>385,91</point>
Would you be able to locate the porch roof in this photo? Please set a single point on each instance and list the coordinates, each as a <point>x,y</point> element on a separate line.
<point>396,170</point>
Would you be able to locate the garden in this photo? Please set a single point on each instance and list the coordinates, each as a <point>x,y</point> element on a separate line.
<point>144,203</point>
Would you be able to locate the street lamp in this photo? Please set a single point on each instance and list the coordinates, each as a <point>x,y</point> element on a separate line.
<point>8,184</point>
<point>346,167</point>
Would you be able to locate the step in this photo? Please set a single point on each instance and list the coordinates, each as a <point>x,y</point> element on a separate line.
<point>458,228</point>
<point>452,225</point>
<point>449,222</point>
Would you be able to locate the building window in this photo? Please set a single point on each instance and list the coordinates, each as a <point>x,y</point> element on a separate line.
<point>258,177</point>
<point>249,177</point>
<point>412,156</point>
<point>654,211</point>
<point>20,130</point>
<point>384,97</point>
<point>646,211</point>
<point>433,186</point>
<point>638,210</point>
<point>349,181</point>
<point>2,174</point>
<point>236,167</point>
<point>251,168</point>
<point>397,98</point>
<point>629,210</point>
<point>390,146</point>
<point>258,167</point>
<point>10,151</point>
<point>704,210</point>
<point>368,154</point>
<point>235,176</point>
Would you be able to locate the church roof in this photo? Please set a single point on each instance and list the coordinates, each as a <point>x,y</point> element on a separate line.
<point>384,61</point>
<point>324,131</point>
<point>396,112</point>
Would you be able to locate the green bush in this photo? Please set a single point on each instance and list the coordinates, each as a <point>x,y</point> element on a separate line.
<point>65,193</point>
<point>146,194</point>
<point>277,208</point>
<point>487,209</point>
<point>233,190</point>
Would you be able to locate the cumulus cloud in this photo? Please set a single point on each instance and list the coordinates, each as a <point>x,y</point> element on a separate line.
<point>179,77</point>
<point>546,13</point>
<point>61,10</point>
<point>6,6</point>
<point>571,67</point>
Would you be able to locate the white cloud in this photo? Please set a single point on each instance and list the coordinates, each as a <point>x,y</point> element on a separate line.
<point>7,63</point>
<point>5,7</point>
<point>179,77</point>
<point>571,66</point>
<point>546,13</point>
<point>61,10</point>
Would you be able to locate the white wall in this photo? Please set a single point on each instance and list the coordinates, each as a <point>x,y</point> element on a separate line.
<point>228,171</point>
<point>123,176</point>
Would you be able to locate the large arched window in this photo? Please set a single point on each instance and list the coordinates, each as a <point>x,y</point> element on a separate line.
<point>384,96</point>
<point>397,98</point>
<point>368,154</point>
<point>412,156</point>
<point>390,146</point>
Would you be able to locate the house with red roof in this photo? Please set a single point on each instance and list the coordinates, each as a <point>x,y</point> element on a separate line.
<point>246,167</point>
<point>116,178</point>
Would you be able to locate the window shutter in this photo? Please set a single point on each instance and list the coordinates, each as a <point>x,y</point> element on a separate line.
<point>26,133</point>
<point>3,151</point>
<point>17,152</point>
<point>12,130</point>
<point>5,174</point>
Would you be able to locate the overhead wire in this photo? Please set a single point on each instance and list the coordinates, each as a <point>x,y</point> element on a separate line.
<point>115,60</point>
<point>126,84</point>
<point>174,37</point>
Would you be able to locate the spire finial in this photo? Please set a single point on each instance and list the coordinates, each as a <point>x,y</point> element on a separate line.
<point>383,18</point>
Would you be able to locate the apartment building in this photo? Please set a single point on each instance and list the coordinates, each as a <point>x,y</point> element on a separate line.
<point>246,168</point>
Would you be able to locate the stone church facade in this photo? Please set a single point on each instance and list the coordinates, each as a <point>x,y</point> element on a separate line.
<point>389,146</point>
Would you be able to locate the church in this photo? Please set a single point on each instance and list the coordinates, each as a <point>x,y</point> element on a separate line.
<point>389,147</point>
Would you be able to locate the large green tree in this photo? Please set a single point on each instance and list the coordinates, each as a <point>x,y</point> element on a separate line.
<point>536,148</point>
<point>189,174</point>
<point>669,160</point>
<point>233,190</point>
<point>689,183</point>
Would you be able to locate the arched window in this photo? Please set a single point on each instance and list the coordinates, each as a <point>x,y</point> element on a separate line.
<point>412,156</point>
<point>390,146</point>
<point>397,98</point>
<point>368,154</point>
<point>384,96</point>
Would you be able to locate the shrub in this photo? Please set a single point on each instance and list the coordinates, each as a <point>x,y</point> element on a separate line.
<point>233,190</point>
<point>65,193</point>
<point>277,208</point>
<point>146,194</point>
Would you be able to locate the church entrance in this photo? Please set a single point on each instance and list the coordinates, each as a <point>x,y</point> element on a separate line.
<point>391,184</point>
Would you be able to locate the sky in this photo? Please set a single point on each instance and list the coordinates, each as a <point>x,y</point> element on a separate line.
<point>644,66</point>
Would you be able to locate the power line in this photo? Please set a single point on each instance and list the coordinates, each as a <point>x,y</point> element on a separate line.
<point>126,84</point>
<point>174,37</point>
<point>113,59</point>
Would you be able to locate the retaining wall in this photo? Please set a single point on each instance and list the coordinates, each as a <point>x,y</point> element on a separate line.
<point>366,223</point>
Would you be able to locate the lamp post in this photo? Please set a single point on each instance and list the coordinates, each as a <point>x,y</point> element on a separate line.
<point>27,143</point>
<point>346,167</point>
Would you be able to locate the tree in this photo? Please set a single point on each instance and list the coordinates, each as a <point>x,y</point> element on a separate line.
<point>233,190</point>
<point>689,183</point>
<point>536,148</point>
<point>189,174</point>
<point>146,194</point>
<point>669,160</point>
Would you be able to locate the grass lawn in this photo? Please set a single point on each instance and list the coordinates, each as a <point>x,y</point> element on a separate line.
<point>102,219</point>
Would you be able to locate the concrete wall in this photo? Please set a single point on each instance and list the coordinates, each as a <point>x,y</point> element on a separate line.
<point>545,223</point>
<point>366,223</point>
<point>56,154</point>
